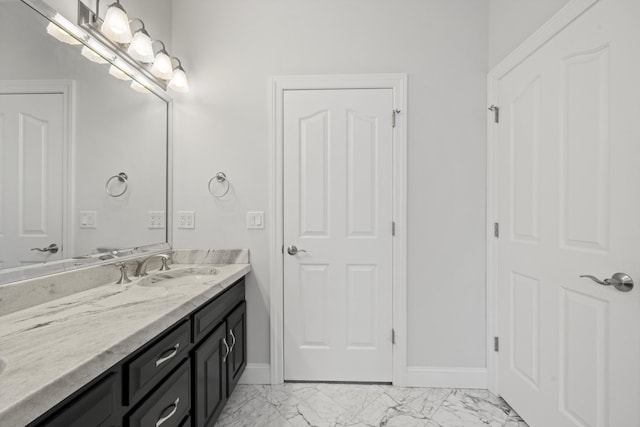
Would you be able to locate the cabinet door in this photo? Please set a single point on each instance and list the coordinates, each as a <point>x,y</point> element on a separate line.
<point>95,408</point>
<point>210,377</point>
<point>236,337</point>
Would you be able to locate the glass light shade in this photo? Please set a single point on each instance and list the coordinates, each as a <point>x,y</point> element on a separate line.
<point>61,35</point>
<point>118,73</point>
<point>116,25</point>
<point>92,56</point>
<point>162,67</point>
<point>179,81</point>
<point>139,88</point>
<point>141,47</point>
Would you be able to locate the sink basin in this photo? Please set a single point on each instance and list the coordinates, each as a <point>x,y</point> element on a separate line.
<point>183,276</point>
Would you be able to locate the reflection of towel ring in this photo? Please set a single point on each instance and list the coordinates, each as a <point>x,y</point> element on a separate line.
<point>221,178</point>
<point>122,177</point>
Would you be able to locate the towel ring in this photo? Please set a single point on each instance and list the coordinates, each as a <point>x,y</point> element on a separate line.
<point>221,178</point>
<point>122,177</point>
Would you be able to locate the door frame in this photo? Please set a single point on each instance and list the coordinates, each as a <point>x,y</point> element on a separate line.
<point>565,16</point>
<point>66,88</point>
<point>398,84</point>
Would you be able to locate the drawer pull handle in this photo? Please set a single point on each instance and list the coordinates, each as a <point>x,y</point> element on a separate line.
<point>226,346</point>
<point>233,337</point>
<point>169,354</point>
<point>173,408</point>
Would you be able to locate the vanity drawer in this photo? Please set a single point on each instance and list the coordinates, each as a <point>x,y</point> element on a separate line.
<point>169,405</point>
<point>205,319</point>
<point>150,366</point>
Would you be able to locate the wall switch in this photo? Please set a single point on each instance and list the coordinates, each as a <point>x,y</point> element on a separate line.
<point>255,220</point>
<point>88,219</point>
<point>186,219</point>
<point>155,219</point>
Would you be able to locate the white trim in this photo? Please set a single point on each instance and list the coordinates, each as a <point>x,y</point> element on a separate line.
<point>553,26</point>
<point>66,88</point>
<point>398,84</point>
<point>447,377</point>
<point>256,373</point>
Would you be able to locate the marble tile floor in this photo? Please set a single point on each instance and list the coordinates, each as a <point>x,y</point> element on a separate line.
<point>333,405</point>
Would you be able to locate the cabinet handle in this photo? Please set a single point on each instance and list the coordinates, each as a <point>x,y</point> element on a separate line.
<point>173,408</point>
<point>171,353</point>
<point>226,346</point>
<point>233,344</point>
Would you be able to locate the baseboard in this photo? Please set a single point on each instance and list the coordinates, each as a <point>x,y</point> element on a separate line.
<point>447,377</point>
<point>256,373</point>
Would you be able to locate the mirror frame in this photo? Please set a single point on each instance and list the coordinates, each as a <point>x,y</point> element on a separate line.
<point>17,274</point>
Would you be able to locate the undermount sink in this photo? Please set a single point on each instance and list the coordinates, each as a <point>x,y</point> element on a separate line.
<point>183,276</point>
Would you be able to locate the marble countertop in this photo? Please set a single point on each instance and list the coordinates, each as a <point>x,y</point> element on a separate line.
<point>53,349</point>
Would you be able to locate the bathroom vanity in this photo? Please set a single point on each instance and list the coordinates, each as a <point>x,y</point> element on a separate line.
<point>165,350</point>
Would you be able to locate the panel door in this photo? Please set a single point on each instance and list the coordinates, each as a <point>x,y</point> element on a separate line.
<point>338,214</point>
<point>237,339</point>
<point>210,378</point>
<point>569,205</point>
<point>31,155</point>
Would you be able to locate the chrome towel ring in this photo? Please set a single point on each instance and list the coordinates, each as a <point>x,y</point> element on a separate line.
<point>219,178</point>
<point>122,177</point>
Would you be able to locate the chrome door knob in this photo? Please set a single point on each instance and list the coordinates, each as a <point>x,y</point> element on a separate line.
<point>292,250</point>
<point>621,281</point>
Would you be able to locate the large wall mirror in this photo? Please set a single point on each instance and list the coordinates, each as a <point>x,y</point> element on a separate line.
<point>83,157</point>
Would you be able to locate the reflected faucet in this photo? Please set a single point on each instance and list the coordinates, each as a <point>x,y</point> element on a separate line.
<point>141,270</point>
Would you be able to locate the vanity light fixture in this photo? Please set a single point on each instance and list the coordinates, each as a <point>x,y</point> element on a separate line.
<point>141,47</point>
<point>118,73</point>
<point>116,24</point>
<point>139,87</point>
<point>179,81</point>
<point>61,35</point>
<point>162,67</point>
<point>92,56</point>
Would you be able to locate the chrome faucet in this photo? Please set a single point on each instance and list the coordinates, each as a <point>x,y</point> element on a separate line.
<point>141,270</point>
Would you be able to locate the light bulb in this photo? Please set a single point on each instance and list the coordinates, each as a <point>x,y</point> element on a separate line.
<point>61,35</point>
<point>92,56</point>
<point>179,81</point>
<point>141,47</point>
<point>162,67</point>
<point>116,24</point>
<point>118,73</point>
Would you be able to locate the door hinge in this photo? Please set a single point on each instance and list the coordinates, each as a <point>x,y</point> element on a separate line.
<point>393,117</point>
<point>496,113</point>
<point>393,228</point>
<point>496,344</point>
<point>496,229</point>
<point>393,336</point>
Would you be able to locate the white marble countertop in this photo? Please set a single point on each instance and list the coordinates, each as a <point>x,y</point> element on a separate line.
<point>53,349</point>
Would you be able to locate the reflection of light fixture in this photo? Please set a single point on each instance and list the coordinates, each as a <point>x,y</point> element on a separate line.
<point>139,87</point>
<point>179,81</point>
<point>61,35</point>
<point>118,73</point>
<point>141,47</point>
<point>162,67</point>
<point>92,56</point>
<point>116,24</point>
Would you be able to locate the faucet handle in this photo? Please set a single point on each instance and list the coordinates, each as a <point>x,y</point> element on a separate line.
<point>165,264</point>
<point>123,273</point>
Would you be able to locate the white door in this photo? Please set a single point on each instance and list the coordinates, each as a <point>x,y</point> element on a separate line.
<point>338,214</point>
<point>31,153</point>
<point>568,173</point>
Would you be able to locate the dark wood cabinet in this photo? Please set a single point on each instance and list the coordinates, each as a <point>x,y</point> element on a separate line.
<point>182,378</point>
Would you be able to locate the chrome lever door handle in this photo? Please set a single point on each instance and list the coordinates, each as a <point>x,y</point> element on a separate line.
<point>52,248</point>
<point>292,250</point>
<point>621,281</point>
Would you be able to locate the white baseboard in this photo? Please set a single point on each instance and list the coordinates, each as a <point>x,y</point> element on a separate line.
<point>447,377</point>
<point>256,373</point>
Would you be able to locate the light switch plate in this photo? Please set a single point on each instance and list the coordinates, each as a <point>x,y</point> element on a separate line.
<point>255,220</point>
<point>186,219</point>
<point>155,219</point>
<point>88,219</point>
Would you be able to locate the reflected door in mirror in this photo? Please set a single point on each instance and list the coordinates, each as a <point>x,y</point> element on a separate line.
<point>31,195</point>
